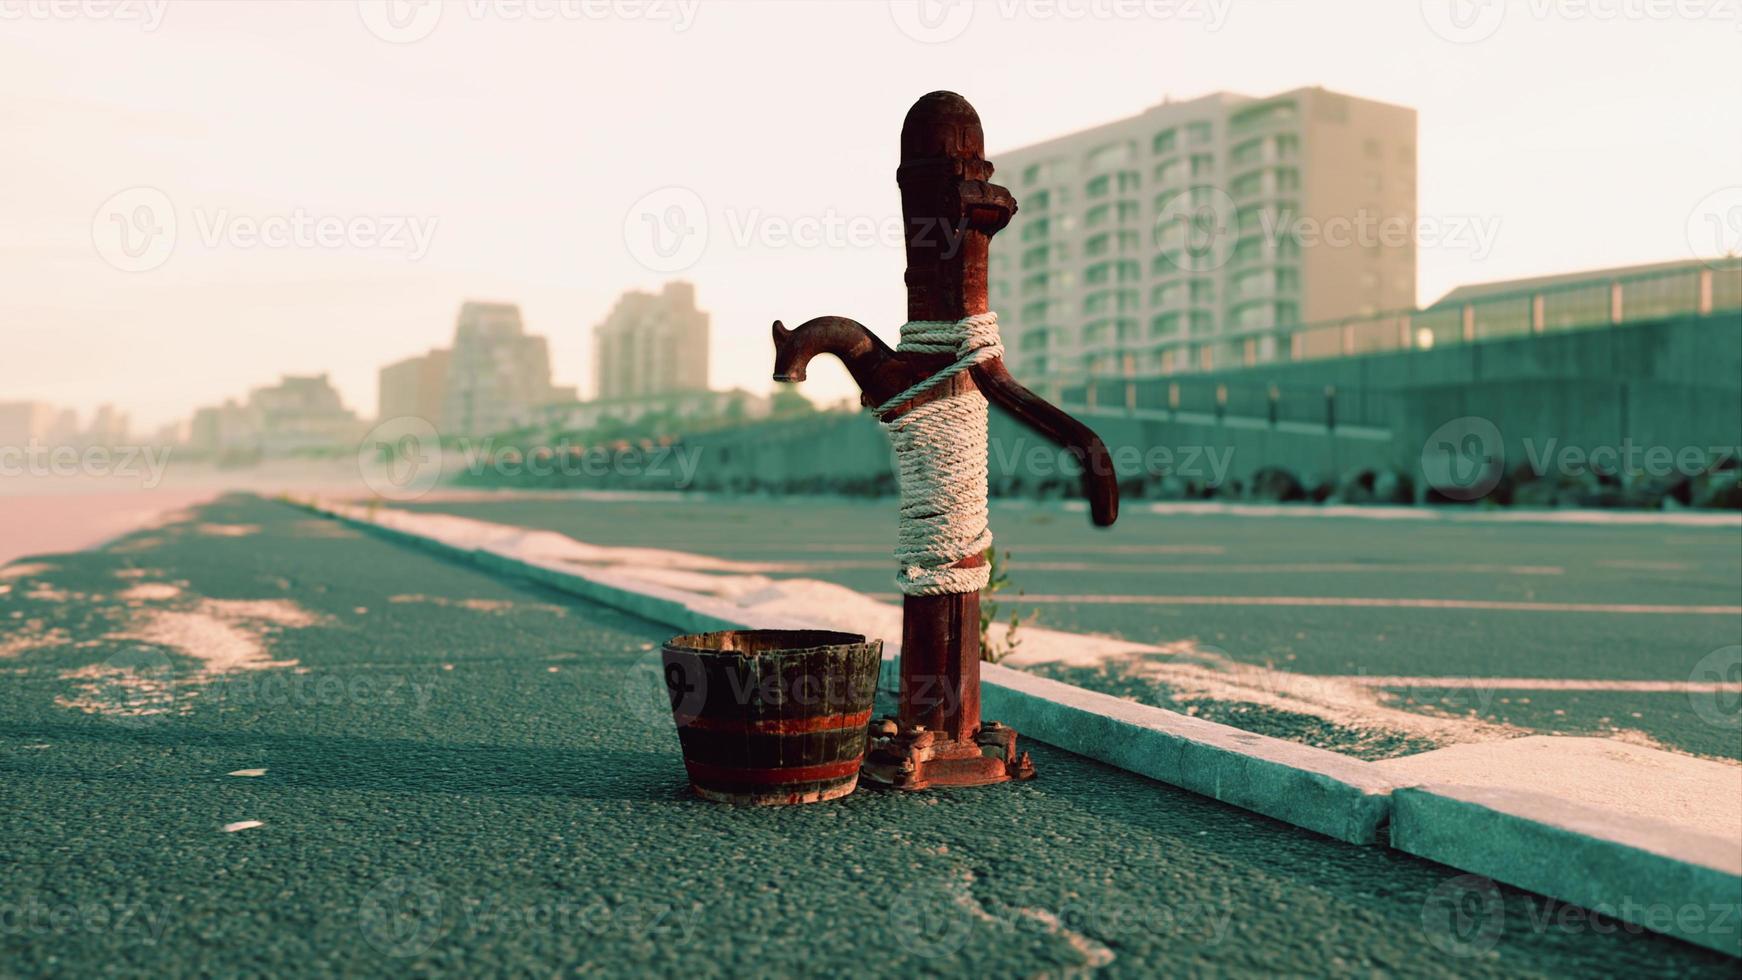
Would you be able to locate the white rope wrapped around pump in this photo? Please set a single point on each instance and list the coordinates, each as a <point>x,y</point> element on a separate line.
<point>940,454</point>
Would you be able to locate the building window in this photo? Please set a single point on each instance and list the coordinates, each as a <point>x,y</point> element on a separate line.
<point>1198,133</point>
<point>1263,114</point>
<point>1203,164</point>
<point>1165,140</point>
<point>1099,186</point>
<point>1111,155</point>
<point>1169,171</point>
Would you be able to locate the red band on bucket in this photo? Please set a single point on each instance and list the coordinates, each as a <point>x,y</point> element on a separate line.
<point>701,772</point>
<point>777,726</point>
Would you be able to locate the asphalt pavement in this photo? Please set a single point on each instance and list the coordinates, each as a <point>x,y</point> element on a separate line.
<point>256,742</point>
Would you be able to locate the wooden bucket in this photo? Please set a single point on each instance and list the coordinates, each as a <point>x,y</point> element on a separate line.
<point>772,716</point>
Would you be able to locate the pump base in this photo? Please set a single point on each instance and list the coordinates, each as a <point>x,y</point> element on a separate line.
<point>916,759</point>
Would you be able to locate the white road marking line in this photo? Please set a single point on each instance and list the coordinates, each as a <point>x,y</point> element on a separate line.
<point>1545,684</point>
<point>1634,609</point>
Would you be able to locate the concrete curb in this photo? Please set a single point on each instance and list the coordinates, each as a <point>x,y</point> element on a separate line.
<point>1602,861</point>
<point>1658,877</point>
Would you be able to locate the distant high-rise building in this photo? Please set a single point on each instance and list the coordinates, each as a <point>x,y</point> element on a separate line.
<point>652,344</point>
<point>1193,235</point>
<point>109,427</point>
<point>497,374</point>
<point>414,387</point>
<point>301,412</point>
<point>25,423</point>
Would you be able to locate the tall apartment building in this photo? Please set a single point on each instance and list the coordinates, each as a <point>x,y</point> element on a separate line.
<point>1194,235</point>
<point>652,344</point>
<point>25,423</point>
<point>497,374</point>
<point>414,387</point>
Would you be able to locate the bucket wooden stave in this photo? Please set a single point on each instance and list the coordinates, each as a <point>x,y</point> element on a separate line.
<point>772,716</point>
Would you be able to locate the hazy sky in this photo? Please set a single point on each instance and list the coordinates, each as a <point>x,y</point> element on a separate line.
<point>342,175</point>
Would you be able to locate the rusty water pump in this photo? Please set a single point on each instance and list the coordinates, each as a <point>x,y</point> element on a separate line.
<point>950,212</point>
